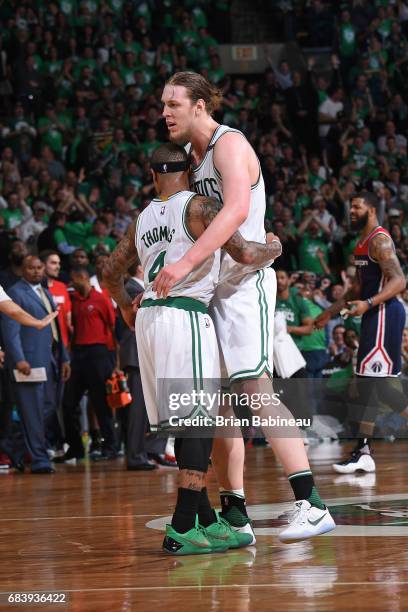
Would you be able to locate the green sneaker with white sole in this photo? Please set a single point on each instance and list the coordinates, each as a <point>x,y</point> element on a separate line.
<point>192,542</point>
<point>241,526</point>
<point>222,534</point>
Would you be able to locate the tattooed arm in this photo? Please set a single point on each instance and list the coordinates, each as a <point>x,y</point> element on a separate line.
<point>201,211</point>
<point>382,250</point>
<point>114,271</point>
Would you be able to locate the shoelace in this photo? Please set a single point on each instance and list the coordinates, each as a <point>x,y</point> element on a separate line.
<point>225,524</point>
<point>222,522</point>
<point>296,513</point>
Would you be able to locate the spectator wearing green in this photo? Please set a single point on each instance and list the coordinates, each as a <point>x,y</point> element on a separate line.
<point>19,132</point>
<point>313,248</point>
<point>64,80</point>
<point>120,145</point>
<point>32,51</point>
<point>77,232</point>
<point>314,346</point>
<point>63,114</point>
<point>128,44</point>
<point>16,212</point>
<point>142,12</point>
<point>51,130</point>
<point>128,69</point>
<point>197,13</point>
<point>151,143</point>
<point>53,66</point>
<point>166,56</point>
<point>188,39</point>
<point>316,174</point>
<point>294,307</point>
<point>54,236</point>
<point>69,8</point>
<point>207,43</point>
<point>347,37</point>
<point>100,241</point>
<point>144,67</point>
<point>88,61</point>
<point>216,74</point>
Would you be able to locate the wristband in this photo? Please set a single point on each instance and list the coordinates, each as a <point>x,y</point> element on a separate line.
<point>370,302</point>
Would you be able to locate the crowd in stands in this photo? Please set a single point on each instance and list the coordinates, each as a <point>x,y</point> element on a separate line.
<point>80,114</point>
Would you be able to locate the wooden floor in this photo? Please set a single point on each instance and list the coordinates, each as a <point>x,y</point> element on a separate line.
<point>83,532</point>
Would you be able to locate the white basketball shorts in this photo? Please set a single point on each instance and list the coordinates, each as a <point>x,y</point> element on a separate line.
<point>243,314</point>
<point>178,352</point>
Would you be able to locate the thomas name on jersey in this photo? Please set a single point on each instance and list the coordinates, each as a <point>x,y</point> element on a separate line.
<point>157,234</point>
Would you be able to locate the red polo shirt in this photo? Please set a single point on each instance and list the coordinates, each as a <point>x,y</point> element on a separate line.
<point>60,294</point>
<point>92,318</point>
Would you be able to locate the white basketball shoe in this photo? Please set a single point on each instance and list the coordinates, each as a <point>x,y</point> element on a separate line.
<point>306,521</point>
<point>360,460</point>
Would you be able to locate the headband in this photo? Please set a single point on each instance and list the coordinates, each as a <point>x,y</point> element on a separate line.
<point>169,167</point>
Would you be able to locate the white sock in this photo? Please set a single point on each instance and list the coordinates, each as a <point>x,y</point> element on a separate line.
<point>237,492</point>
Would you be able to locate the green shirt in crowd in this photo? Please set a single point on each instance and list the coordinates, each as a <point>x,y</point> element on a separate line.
<point>347,40</point>
<point>74,234</point>
<point>295,309</point>
<point>308,259</point>
<point>316,341</point>
<point>52,137</point>
<point>91,244</point>
<point>12,218</point>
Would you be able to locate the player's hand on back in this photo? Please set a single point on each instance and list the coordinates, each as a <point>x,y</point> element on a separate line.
<point>169,276</point>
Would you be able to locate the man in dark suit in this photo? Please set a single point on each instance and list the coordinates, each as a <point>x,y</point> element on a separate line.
<point>134,416</point>
<point>28,348</point>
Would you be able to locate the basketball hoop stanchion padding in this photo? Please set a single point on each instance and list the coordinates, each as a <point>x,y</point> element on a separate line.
<point>117,391</point>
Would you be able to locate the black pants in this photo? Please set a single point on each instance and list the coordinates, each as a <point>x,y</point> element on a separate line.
<point>91,366</point>
<point>134,423</point>
<point>6,402</point>
<point>11,434</point>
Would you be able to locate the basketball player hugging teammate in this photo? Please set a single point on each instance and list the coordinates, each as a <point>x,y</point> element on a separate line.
<point>227,171</point>
<point>164,232</point>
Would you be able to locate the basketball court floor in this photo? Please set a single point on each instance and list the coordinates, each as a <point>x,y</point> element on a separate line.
<point>93,533</point>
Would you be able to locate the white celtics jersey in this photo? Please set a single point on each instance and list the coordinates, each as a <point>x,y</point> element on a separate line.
<point>162,238</point>
<point>208,181</point>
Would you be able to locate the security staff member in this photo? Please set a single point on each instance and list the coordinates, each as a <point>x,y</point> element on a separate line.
<point>93,319</point>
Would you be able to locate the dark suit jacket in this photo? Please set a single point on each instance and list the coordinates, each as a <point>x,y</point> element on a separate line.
<point>127,345</point>
<point>26,343</point>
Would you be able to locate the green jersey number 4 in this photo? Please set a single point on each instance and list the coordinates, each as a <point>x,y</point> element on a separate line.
<point>157,265</point>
